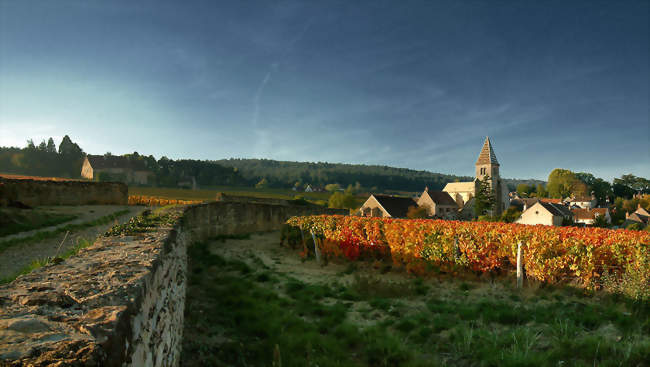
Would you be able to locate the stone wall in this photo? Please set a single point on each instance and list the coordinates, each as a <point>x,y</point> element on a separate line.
<point>120,302</point>
<point>42,192</point>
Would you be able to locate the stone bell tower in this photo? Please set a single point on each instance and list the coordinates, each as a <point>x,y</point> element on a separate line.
<point>487,165</point>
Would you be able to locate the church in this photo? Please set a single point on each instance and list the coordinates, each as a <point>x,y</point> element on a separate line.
<point>465,192</point>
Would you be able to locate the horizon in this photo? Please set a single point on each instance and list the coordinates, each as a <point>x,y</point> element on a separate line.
<point>554,85</point>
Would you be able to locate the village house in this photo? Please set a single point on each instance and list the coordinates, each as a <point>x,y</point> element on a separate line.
<point>587,202</point>
<point>114,168</point>
<point>386,206</point>
<point>588,216</point>
<point>639,216</point>
<point>439,204</point>
<point>549,214</point>
<point>463,193</point>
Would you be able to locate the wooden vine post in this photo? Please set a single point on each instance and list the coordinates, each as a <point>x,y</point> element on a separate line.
<point>304,245</point>
<point>316,249</point>
<point>520,267</point>
<point>456,249</point>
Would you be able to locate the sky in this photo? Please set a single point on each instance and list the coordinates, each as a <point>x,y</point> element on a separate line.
<point>414,84</point>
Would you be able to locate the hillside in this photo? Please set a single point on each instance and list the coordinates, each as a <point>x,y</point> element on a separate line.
<point>372,177</point>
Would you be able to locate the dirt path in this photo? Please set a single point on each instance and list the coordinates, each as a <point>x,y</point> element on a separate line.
<point>15,258</point>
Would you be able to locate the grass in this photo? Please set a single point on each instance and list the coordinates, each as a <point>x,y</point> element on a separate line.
<point>244,314</point>
<point>146,222</point>
<point>38,263</point>
<point>14,221</point>
<point>44,235</point>
<point>211,194</point>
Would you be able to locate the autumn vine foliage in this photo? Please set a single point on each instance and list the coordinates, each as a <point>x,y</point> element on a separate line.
<point>155,201</point>
<point>551,254</point>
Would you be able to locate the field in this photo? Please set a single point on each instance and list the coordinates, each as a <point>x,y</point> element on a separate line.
<point>253,302</point>
<point>211,194</point>
<point>36,178</point>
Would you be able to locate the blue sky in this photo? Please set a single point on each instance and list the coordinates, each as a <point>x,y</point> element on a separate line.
<point>416,84</point>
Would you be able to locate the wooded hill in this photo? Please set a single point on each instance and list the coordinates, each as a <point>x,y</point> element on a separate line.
<point>370,177</point>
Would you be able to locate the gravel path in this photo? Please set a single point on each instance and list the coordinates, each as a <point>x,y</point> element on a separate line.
<point>15,258</point>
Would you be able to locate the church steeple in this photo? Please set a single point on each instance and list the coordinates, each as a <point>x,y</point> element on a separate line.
<point>487,163</point>
<point>487,155</point>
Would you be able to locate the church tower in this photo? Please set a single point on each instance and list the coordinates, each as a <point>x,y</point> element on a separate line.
<point>487,165</point>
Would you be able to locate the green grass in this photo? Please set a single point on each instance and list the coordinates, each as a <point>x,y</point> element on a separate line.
<point>44,235</point>
<point>14,221</point>
<point>242,314</point>
<point>38,263</point>
<point>211,194</point>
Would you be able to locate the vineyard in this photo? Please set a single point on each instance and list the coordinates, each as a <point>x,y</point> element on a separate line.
<point>550,254</point>
<point>156,201</point>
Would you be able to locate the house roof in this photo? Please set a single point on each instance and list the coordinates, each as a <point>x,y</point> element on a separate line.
<point>556,209</point>
<point>113,161</point>
<point>582,199</point>
<point>487,156</point>
<point>642,211</point>
<point>459,186</point>
<point>396,206</point>
<point>636,217</point>
<point>588,214</point>
<point>440,197</point>
<point>548,200</point>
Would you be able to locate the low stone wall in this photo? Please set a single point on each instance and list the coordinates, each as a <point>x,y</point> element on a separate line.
<point>41,192</point>
<point>229,218</point>
<point>120,302</point>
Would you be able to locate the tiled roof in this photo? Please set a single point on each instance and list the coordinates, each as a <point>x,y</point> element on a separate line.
<point>440,197</point>
<point>487,155</point>
<point>113,161</point>
<point>588,214</point>
<point>556,209</point>
<point>396,206</point>
<point>581,199</point>
<point>459,186</point>
<point>554,201</point>
<point>636,217</point>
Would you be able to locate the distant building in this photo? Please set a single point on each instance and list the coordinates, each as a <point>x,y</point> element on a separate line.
<point>588,216</point>
<point>640,216</point>
<point>114,168</point>
<point>486,165</point>
<point>549,214</point>
<point>439,204</point>
<point>386,206</point>
<point>588,202</point>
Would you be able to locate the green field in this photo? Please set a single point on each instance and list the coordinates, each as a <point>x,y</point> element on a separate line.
<point>211,194</point>
<point>251,302</point>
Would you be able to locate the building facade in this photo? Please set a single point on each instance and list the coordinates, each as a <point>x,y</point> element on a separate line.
<point>486,167</point>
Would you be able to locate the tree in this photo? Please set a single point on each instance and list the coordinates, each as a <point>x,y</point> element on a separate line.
<point>341,201</point>
<point>561,183</point>
<point>332,187</point>
<point>541,191</point>
<point>600,221</point>
<point>636,184</point>
<point>262,184</point>
<point>484,201</point>
<point>601,188</point>
<point>510,215</point>
<point>51,147</point>
<point>417,212</point>
<point>524,190</point>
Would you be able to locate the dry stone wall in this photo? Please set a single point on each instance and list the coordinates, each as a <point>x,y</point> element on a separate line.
<point>42,192</point>
<point>120,302</point>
